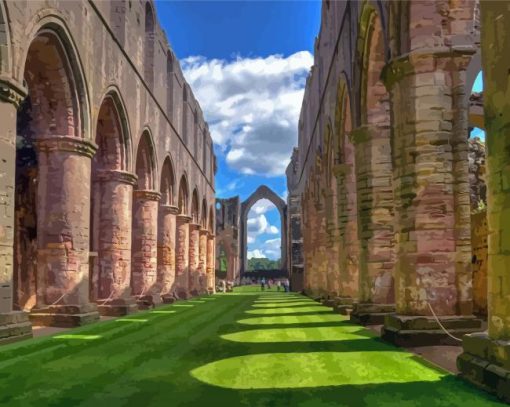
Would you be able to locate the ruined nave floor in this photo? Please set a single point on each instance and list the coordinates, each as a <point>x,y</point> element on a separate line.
<point>243,348</point>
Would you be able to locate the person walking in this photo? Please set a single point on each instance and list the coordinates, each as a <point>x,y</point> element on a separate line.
<point>262,283</point>
<point>278,285</point>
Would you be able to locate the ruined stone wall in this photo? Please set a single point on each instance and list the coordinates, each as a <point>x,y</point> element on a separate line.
<point>228,234</point>
<point>477,173</point>
<point>96,110</point>
<point>396,87</point>
<point>479,242</point>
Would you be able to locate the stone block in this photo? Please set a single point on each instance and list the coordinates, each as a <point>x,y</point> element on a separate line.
<point>425,331</point>
<point>65,316</point>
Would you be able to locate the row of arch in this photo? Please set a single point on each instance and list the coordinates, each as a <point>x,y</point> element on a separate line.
<point>370,209</point>
<point>92,226</point>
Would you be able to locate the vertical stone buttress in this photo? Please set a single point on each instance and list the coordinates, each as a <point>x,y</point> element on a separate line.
<point>166,251</point>
<point>63,220</point>
<point>113,285</point>
<point>333,246</point>
<point>182,256</point>
<point>431,196</point>
<point>486,357</point>
<point>211,258</point>
<point>375,221</point>
<point>145,242</point>
<point>348,236</point>
<point>14,325</point>
<point>194,237</point>
<point>202,261</point>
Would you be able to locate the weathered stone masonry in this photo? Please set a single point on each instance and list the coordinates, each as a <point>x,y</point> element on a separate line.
<point>102,145</point>
<point>387,111</point>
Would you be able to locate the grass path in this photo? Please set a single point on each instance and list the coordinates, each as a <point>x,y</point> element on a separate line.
<point>245,348</point>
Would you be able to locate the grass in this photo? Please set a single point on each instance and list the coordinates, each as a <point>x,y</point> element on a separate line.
<point>217,351</point>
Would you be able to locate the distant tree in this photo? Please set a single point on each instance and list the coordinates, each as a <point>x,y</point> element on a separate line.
<point>263,263</point>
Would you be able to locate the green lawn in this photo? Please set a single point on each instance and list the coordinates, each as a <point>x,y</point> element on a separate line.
<point>247,348</point>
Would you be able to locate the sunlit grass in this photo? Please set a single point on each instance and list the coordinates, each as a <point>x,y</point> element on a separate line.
<point>315,369</point>
<point>207,353</point>
<point>289,310</point>
<point>77,336</point>
<point>315,334</point>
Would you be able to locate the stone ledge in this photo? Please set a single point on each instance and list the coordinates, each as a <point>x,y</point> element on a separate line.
<point>371,314</point>
<point>409,331</point>
<point>62,320</point>
<point>117,310</point>
<point>14,326</point>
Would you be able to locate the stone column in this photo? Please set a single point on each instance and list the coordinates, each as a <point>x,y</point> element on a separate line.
<point>211,258</point>
<point>182,256</point>
<point>145,247</point>
<point>194,237</point>
<point>114,242</point>
<point>348,237</point>
<point>166,251</point>
<point>375,223</point>
<point>428,200</point>
<point>486,358</point>
<point>63,221</point>
<point>14,325</point>
<point>202,261</point>
<point>333,248</point>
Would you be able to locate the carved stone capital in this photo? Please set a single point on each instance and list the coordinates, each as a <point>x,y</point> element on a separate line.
<point>147,195</point>
<point>120,176</point>
<point>184,218</point>
<point>424,60</point>
<point>11,92</point>
<point>194,226</point>
<point>169,209</point>
<point>70,144</point>
<point>203,231</point>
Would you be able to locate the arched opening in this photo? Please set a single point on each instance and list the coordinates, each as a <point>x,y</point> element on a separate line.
<point>478,188</point>
<point>111,199</point>
<point>145,221</point>
<point>194,246</point>
<point>148,65</point>
<point>51,242</point>
<point>271,246</point>
<point>183,196</point>
<point>169,84</point>
<point>374,166</point>
<point>345,173</point>
<point>263,238</point>
<point>166,233</point>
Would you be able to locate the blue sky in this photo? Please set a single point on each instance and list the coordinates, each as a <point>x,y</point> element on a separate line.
<point>478,87</point>
<point>247,63</point>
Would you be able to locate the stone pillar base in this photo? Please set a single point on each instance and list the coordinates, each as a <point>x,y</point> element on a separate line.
<point>424,330</point>
<point>194,293</point>
<point>118,307</point>
<point>343,305</point>
<point>329,302</point>
<point>64,316</point>
<point>486,363</point>
<point>168,298</point>
<point>182,294</point>
<point>148,301</point>
<point>14,326</point>
<point>371,314</point>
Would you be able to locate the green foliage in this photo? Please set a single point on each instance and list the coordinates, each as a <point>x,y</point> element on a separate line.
<point>263,263</point>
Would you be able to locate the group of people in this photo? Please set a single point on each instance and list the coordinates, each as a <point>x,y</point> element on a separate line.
<point>283,283</point>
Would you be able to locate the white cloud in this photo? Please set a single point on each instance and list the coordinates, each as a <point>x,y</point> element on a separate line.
<point>262,206</point>
<point>255,254</point>
<point>252,106</point>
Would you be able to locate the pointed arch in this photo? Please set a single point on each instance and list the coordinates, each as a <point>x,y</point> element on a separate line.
<point>195,211</point>
<point>58,77</point>
<point>146,163</point>
<point>5,41</point>
<point>211,220</point>
<point>149,44</point>
<point>203,214</point>
<point>183,198</point>
<point>372,54</point>
<point>112,134</point>
<point>167,184</point>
